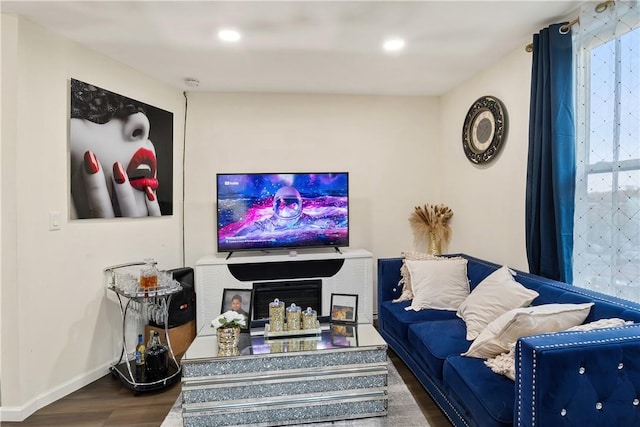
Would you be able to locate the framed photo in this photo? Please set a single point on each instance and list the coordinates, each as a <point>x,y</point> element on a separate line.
<point>238,300</point>
<point>344,308</point>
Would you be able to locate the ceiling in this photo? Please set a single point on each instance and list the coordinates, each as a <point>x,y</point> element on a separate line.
<point>302,46</point>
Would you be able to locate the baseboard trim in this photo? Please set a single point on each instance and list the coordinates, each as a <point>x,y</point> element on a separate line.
<point>21,413</point>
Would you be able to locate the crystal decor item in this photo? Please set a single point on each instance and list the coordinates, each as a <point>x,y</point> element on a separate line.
<point>293,318</point>
<point>276,315</point>
<point>228,341</point>
<point>149,275</point>
<point>309,319</point>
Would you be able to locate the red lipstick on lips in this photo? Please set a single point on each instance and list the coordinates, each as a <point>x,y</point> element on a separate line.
<point>142,170</point>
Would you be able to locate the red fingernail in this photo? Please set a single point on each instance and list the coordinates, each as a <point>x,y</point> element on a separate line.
<point>91,164</point>
<point>150,194</point>
<point>118,173</point>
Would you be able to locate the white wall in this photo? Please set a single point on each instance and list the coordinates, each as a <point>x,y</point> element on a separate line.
<point>8,100</point>
<point>489,201</point>
<point>57,325</point>
<point>389,146</point>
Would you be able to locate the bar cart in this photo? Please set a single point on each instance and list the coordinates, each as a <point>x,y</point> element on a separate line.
<point>150,303</point>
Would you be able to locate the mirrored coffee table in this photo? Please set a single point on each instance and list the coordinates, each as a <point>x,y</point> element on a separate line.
<point>340,373</point>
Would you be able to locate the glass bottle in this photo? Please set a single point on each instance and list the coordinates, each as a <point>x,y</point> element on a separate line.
<point>149,276</point>
<point>156,357</point>
<point>139,359</point>
<point>140,348</point>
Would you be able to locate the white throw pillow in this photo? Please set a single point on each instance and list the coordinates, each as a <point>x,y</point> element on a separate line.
<point>405,280</point>
<point>498,335</point>
<point>494,296</point>
<point>439,284</point>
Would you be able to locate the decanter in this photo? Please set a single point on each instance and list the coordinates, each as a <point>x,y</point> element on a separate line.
<point>156,357</point>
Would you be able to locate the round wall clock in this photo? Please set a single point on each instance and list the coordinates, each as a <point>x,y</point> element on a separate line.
<point>484,129</point>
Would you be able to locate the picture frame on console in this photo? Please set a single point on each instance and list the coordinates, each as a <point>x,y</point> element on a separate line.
<point>344,308</point>
<point>238,300</point>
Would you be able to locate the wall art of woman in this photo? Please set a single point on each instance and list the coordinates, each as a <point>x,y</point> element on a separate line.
<point>115,166</point>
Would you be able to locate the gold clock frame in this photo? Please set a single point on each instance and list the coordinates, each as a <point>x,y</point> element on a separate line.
<point>484,130</point>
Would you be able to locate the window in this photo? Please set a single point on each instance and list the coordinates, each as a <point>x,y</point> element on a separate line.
<point>607,211</point>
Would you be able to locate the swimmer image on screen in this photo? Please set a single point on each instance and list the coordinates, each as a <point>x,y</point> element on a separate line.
<point>287,213</point>
<point>116,170</point>
<point>262,211</point>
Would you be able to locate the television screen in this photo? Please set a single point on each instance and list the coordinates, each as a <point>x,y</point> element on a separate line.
<point>293,210</point>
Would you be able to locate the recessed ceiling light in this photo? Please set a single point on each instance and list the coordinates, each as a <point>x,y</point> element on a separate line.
<point>229,35</point>
<point>393,45</point>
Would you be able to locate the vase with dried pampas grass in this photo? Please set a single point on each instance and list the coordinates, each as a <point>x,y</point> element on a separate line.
<point>432,222</point>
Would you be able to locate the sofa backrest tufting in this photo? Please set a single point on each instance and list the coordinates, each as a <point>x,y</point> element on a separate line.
<point>550,291</point>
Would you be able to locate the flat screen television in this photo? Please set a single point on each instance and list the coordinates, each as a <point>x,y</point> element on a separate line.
<point>262,211</point>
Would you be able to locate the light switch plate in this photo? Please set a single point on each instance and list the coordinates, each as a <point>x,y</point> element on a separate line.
<point>54,221</point>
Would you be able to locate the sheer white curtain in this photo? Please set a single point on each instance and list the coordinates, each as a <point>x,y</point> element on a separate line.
<point>606,254</point>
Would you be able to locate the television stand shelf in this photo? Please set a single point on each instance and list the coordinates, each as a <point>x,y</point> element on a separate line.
<point>347,272</point>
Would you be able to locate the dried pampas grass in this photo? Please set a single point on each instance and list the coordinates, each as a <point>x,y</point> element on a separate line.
<point>432,222</point>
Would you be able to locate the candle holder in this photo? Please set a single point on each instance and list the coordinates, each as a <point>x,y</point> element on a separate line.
<point>276,315</point>
<point>309,319</point>
<point>293,318</point>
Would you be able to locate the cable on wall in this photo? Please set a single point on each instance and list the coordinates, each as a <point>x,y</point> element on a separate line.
<point>184,155</point>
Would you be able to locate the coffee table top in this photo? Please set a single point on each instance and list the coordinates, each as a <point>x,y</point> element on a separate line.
<point>332,337</point>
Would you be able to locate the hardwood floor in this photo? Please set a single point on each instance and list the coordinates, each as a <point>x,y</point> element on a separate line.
<point>106,402</point>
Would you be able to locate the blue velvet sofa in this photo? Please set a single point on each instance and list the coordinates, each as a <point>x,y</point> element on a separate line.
<point>561,379</point>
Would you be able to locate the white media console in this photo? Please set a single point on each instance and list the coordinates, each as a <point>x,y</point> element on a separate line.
<point>348,272</point>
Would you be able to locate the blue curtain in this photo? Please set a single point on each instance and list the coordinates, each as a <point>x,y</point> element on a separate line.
<point>551,162</point>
